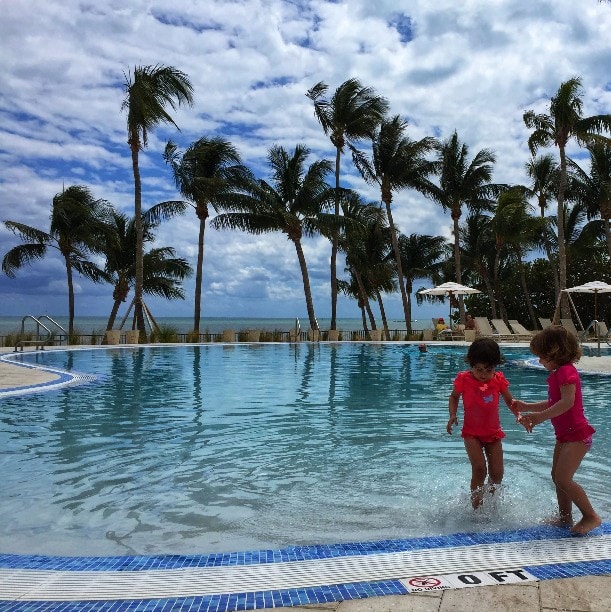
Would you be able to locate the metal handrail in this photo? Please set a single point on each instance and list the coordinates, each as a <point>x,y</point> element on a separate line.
<point>38,342</point>
<point>54,322</point>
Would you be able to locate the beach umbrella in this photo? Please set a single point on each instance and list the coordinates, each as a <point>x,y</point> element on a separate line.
<point>594,287</point>
<point>451,289</point>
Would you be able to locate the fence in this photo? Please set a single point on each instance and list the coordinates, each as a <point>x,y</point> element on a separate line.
<point>98,338</point>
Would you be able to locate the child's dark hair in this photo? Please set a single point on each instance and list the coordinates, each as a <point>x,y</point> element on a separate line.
<point>484,350</point>
<point>556,344</point>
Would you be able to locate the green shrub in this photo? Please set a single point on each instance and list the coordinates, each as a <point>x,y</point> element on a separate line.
<point>165,333</point>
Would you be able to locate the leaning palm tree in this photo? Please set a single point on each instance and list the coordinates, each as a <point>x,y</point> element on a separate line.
<point>148,91</point>
<point>76,231</point>
<point>293,203</point>
<point>564,122</point>
<point>350,116</point>
<point>397,163</point>
<point>163,272</point>
<point>206,174</point>
<point>463,182</point>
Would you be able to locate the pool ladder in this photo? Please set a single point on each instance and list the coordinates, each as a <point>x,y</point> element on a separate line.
<point>40,342</point>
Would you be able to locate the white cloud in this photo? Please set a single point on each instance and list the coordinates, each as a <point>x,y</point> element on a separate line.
<point>474,68</point>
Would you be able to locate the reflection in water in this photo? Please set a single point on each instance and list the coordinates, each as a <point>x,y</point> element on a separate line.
<point>215,448</point>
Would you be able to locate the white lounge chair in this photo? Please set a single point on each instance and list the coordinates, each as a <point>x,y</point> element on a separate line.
<point>518,328</point>
<point>485,329</point>
<point>545,322</point>
<point>504,331</point>
<point>570,327</point>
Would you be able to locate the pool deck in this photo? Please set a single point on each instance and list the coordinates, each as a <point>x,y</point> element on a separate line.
<point>538,569</point>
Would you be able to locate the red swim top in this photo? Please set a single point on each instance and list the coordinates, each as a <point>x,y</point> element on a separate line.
<point>572,425</point>
<point>481,404</point>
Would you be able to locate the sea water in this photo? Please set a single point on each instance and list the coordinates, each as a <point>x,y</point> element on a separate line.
<point>213,325</point>
<point>214,448</point>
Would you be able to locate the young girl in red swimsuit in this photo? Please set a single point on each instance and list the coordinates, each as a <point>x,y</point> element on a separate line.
<point>480,388</point>
<point>557,349</point>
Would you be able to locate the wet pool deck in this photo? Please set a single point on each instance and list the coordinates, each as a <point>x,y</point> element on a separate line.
<point>32,583</point>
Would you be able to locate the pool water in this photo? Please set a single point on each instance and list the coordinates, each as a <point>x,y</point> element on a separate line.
<point>210,448</point>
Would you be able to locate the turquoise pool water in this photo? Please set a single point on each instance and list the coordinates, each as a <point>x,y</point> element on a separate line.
<point>194,449</point>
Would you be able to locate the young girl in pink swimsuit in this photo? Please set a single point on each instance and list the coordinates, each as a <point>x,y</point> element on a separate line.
<point>557,349</point>
<point>480,388</point>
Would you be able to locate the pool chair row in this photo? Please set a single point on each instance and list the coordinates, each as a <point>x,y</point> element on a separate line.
<point>499,330</point>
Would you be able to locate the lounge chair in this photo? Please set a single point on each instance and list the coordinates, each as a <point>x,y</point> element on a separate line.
<point>545,322</point>
<point>518,328</point>
<point>505,332</point>
<point>485,329</point>
<point>570,327</point>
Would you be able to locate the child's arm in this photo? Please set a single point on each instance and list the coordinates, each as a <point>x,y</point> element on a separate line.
<point>511,403</point>
<point>566,401</point>
<point>453,409</point>
<point>520,406</point>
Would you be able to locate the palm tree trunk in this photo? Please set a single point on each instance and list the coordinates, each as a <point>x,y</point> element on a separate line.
<point>139,284</point>
<point>364,298</point>
<point>529,305</point>
<point>565,311</point>
<point>70,296</point>
<point>335,245</point>
<point>383,314</point>
<point>395,248</point>
<point>457,266</point>
<point>607,226</point>
<point>306,285</point>
<point>113,314</point>
<point>199,273</point>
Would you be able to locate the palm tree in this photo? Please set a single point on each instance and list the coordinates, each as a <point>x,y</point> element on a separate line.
<point>365,240</point>
<point>206,174</point>
<point>544,174</point>
<point>478,252</point>
<point>350,116</point>
<point>76,230</point>
<point>516,231</point>
<point>294,203</point>
<point>147,93</point>
<point>163,272</point>
<point>397,163</point>
<point>463,183</point>
<point>422,256</point>
<point>594,189</point>
<point>564,121</point>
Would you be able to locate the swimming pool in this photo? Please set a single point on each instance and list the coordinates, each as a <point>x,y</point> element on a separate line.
<point>212,448</point>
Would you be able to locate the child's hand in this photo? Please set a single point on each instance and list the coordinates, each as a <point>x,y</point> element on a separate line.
<point>526,420</point>
<point>452,421</point>
<point>518,406</point>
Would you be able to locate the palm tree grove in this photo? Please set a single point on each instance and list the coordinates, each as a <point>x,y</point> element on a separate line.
<point>520,245</point>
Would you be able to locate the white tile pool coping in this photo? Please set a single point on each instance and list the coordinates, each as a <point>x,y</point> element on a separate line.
<point>287,577</point>
<point>295,575</point>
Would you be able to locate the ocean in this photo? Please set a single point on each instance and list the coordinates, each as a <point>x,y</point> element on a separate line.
<point>213,325</point>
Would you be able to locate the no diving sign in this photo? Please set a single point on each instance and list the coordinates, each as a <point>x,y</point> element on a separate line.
<point>422,584</point>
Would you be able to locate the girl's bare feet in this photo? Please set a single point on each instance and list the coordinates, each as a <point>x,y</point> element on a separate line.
<point>559,520</point>
<point>586,524</point>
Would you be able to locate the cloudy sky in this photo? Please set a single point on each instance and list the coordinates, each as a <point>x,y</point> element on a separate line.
<point>473,66</point>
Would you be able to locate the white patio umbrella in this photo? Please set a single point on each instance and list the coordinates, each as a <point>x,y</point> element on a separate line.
<point>594,287</point>
<point>450,289</point>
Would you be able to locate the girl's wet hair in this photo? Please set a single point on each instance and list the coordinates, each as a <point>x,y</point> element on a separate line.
<point>484,350</point>
<point>556,344</point>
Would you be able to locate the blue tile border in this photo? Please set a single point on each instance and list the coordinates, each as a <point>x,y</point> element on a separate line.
<point>292,553</point>
<point>63,378</point>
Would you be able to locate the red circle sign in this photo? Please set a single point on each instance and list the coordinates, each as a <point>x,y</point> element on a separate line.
<point>424,582</point>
